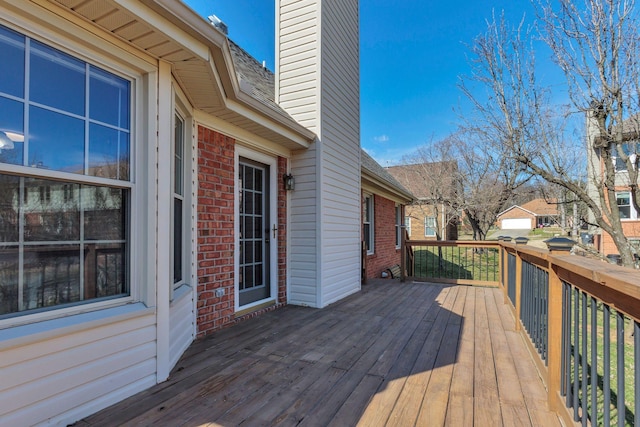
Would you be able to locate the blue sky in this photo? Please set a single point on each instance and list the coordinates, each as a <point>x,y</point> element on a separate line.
<point>412,53</point>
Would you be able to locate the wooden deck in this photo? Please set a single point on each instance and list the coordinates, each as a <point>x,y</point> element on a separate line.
<point>397,354</point>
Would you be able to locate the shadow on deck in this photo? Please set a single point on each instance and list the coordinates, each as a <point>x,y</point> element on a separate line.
<point>394,354</point>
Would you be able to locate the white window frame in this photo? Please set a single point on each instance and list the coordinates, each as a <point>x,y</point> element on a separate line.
<point>633,214</point>
<point>368,208</point>
<point>398,226</point>
<point>432,227</point>
<point>142,76</point>
<point>407,224</point>
<point>181,110</point>
<point>272,162</point>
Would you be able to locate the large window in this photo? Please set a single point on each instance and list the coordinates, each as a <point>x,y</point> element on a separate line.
<point>367,227</point>
<point>430,226</point>
<point>629,149</point>
<point>64,179</point>
<point>178,200</point>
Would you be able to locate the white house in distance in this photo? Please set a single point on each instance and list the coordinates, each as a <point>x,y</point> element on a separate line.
<point>157,184</point>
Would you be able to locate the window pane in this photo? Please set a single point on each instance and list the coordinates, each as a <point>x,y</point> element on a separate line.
<point>177,240</point>
<point>178,155</point>
<point>109,98</point>
<point>12,54</point>
<point>9,208</point>
<point>56,141</point>
<point>51,275</point>
<point>105,270</point>
<point>12,127</point>
<point>108,152</point>
<point>57,79</point>
<point>104,213</point>
<point>367,236</point>
<point>8,279</point>
<point>47,216</point>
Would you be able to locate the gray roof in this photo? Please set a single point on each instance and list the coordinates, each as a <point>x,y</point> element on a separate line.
<point>259,82</point>
<point>256,80</point>
<point>374,169</point>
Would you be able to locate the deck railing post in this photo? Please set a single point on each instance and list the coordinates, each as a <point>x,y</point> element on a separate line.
<point>403,255</point>
<point>518,302</point>
<point>554,354</point>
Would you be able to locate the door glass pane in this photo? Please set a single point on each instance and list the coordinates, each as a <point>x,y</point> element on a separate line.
<point>57,80</point>
<point>56,141</point>
<point>12,54</point>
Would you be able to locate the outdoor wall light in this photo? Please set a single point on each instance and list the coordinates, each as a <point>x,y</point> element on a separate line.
<point>289,182</point>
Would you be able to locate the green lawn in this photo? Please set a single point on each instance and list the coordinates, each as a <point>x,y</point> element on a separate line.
<point>456,263</point>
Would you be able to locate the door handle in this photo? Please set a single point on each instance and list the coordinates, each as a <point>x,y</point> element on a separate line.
<point>275,230</point>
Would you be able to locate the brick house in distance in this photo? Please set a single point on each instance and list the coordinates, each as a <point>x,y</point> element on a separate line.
<point>430,216</point>
<point>533,214</point>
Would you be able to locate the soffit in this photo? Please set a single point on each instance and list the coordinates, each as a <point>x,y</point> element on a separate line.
<point>200,58</point>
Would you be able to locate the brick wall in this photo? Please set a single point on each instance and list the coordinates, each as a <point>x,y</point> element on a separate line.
<point>215,230</point>
<point>215,234</point>
<point>385,253</point>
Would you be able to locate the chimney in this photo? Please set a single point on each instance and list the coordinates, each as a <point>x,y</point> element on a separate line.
<point>317,83</point>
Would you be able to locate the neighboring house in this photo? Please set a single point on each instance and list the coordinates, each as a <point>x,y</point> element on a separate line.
<point>383,212</point>
<point>157,184</point>
<point>431,214</point>
<point>533,214</point>
<point>630,218</point>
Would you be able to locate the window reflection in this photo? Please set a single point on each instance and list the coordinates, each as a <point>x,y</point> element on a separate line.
<point>104,213</point>
<point>57,79</point>
<point>108,152</point>
<point>52,134</point>
<point>11,126</point>
<point>65,260</point>
<point>109,99</point>
<point>12,54</point>
<point>8,279</point>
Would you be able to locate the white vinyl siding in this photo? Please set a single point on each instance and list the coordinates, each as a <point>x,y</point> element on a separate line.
<point>86,364</point>
<point>181,323</point>
<point>317,84</point>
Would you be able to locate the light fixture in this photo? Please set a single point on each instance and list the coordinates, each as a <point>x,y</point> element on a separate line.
<point>289,182</point>
<point>5,142</point>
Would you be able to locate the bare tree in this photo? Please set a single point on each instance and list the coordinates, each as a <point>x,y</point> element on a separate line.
<point>594,42</point>
<point>461,174</point>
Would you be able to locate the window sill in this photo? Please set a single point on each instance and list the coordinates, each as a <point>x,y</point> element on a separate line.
<point>49,329</point>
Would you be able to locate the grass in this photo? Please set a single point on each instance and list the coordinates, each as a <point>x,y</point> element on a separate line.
<point>598,381</point>
<point>456,263</point>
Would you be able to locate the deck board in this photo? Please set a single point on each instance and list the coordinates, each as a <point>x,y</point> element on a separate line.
<point>393,354</point>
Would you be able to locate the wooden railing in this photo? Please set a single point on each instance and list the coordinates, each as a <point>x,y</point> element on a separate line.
<point>566,307</point>
<point>456,262</point>
<point>580,318</point>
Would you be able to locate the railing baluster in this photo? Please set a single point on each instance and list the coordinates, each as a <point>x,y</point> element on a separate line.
<point>636,364</point>
<point>593,380</point>
<point>584,400</point>
<point>606,363</point>
<point>576,360</point>
<point>620,353</point>
<point>568,341</point>
<point>565,335</point>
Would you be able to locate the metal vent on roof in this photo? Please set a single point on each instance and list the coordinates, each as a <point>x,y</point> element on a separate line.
<point>221,26</point>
